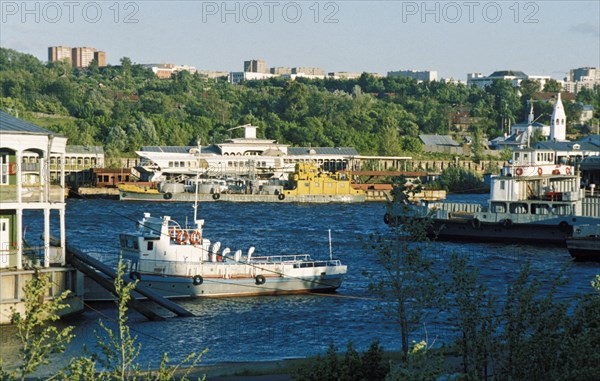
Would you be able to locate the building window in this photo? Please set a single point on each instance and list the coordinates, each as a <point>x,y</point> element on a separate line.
<point>4,169</point>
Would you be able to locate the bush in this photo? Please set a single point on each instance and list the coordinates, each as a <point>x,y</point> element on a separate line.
<point>353,366</point>
<point>460,180</point>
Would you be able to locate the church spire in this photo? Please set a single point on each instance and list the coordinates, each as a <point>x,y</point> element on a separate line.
<point>558,126</point>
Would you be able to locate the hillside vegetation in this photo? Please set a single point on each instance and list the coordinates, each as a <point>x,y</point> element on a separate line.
<point>124,107</point>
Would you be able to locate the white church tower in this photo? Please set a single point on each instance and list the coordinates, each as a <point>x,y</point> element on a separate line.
<point>558,126</point>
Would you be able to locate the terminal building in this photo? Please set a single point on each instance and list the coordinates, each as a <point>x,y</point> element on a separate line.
<point>25,188</point>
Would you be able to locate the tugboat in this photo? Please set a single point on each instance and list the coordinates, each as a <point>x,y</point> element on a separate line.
<point>179,262</point>
<point>531,200</point>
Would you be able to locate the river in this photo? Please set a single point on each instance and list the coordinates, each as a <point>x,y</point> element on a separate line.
<point>271,328</point>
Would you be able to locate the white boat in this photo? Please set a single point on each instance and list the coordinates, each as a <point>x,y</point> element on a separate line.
<point>179,262</point>
<point>250,157</point>
<point>584,244</point>
<point>533,199</point>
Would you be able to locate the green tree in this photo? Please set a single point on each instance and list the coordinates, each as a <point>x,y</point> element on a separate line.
<point>552,86</point>
<point>406,284</point>
<point>474,310</point>
<point>119,350</point>
<point>458,179</point>
<point>529,87</point>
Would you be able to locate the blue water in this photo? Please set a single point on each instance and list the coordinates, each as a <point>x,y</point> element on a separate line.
<point>269,328</point>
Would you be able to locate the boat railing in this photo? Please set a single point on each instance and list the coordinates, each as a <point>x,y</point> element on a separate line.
<point>299,259</point>
<point>453,207</point>
<point>590,207</point>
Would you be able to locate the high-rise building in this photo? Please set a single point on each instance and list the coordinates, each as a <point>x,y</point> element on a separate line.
<point>584,77</point>
<point>100,58</point>
<point>281,70</point>
<point>59,53</point>
<point>255,66</point>
<point>308,71</point>
<point>82,57</point>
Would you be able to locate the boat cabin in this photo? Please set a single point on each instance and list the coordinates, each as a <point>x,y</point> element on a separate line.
<point>534,184</point>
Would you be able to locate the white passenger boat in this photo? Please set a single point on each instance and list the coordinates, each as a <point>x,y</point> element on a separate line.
<point>179,262</point>
<point>533,199</point>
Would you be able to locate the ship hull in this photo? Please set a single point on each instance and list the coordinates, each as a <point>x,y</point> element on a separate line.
<point>174,287</point>
<point>587,248</point>
<point>233,197</point>
<point>467,231</point>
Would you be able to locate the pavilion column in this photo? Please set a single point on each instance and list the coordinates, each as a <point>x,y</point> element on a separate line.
<point>63,242</point>
<point>18,160</point>
<point>19,243</point>
<point>47,236</point>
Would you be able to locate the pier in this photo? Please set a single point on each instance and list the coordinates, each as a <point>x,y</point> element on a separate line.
<point>94,268</point>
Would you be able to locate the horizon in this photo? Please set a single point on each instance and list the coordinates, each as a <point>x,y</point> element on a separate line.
<point>452,38</point>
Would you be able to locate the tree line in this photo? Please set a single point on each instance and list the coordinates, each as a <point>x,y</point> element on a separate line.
<point>125,107</point>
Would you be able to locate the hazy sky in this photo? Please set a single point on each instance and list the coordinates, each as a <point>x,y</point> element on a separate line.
<point>452,37</point>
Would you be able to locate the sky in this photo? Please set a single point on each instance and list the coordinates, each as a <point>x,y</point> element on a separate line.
<point>452,37</point>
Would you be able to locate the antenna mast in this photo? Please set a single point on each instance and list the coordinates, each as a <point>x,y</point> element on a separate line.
<point>330,249</point>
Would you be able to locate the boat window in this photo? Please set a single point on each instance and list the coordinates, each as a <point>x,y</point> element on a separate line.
<point>150,246</point>
<point>170,164</point>
<point>502,185</point>
<point>540,209</point>
<point>561,210</point>
<point>518,208</point>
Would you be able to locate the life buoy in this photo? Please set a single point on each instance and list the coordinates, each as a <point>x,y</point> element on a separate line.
<point>216,196</point>
<point>260,279</point>
<point>197,280</point>
<point>507,223</point>
<point>181,237</point>
<point>475,223</point>
<point>519,171</point>
<point>281,196</point>
<point>195,237</point>
<point>173,232</point>
<point>540,171</point>
<point>568,170</point>
<point>134,275</point>
<point>168,196</point>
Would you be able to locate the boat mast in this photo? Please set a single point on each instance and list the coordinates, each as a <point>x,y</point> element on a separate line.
<point>330,249</point>
<point>196,185</point>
